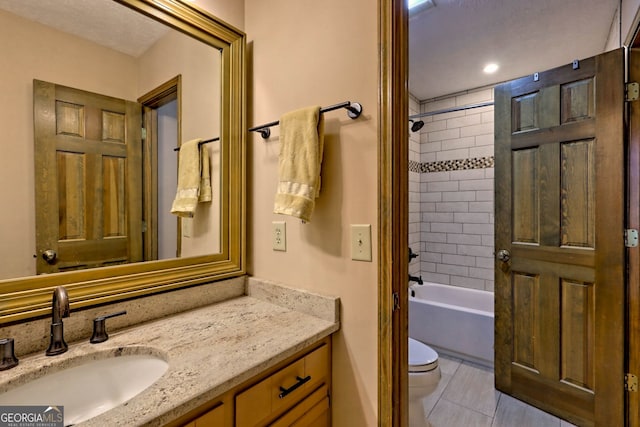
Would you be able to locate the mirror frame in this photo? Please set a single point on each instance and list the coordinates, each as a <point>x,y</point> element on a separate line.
<point>30,297</point>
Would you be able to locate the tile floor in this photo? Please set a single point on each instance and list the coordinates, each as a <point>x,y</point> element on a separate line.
<point>466,397</point>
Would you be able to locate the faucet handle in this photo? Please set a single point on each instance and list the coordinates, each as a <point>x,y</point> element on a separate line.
<point>8,357</point>
<point>99,329</point>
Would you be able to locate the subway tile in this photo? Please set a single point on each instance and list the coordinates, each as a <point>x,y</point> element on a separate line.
<point>464,281</point>
<point>446,134</point>
<point>454,206</point>
<point>443,248</point>
<point>481,273</point>
<point>440,104</point>
<point>427,207</point>
<point>471,218</point>
<point>478,228</point>
<point>428,158</point>
<point>459,260</point>
<point>465,120</point>
<point>464,239</point>
<point>437,236</point>
<point>443,186</point>
<point>455,144</point>
<point>474,97</point>
<point>446,227</point>
<point>458,270</point>
<point>459,196</point>
<point>461,153</point>
<point>431,147</point>
<point>477,184</point>
<point>484,151</point>
<point>435,126</point>
<point>437,176</point>
<point>488,116</point>
<point>433,196</point>
<point>439,217</point>
<point>481,207</point>
<point>484,196</point>
<point>489,173</point>
<point>475,130</point>
<point>436,278</point>
<point>427,267</point>
<point>434,257</point>
<point>463,175</point>
<point>475,251</point>
<point>486,261</point>
<point>484,140</point>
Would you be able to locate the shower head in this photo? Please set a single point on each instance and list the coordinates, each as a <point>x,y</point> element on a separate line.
<point>417,125</point>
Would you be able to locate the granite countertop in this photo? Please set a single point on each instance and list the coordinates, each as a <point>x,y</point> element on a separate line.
<point>209,350</point>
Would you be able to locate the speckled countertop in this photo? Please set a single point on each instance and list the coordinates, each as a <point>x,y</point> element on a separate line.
<point>209,350</point>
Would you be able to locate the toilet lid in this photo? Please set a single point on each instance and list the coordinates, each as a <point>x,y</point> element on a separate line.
<point>421,357</point>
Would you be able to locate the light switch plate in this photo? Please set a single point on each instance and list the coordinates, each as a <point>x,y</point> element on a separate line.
<point>279,242</point>
<point>361,242</point>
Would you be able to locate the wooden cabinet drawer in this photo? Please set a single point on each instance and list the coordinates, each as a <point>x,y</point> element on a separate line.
<point>282,390</point>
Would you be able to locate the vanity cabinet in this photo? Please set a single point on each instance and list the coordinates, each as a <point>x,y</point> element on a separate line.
<point>295,392</point>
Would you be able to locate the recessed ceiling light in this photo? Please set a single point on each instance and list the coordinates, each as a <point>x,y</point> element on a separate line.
<point>490,68</point>
<point>418,5</point>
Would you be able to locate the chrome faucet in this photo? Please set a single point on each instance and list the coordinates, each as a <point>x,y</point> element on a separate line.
<point>59,310</point>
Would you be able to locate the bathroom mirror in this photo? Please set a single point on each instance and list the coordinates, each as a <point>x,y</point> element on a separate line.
<point>200,82</point>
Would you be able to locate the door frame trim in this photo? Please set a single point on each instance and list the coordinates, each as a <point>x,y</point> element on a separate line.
<point>393,207</point>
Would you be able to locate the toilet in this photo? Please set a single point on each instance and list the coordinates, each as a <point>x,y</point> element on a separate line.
<point>424,376</point>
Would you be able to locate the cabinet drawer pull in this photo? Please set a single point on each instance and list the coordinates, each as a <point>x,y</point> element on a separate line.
<point>286,391</point>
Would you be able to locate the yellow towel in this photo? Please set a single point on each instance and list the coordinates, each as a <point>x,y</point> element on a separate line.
<point>301,139</point>
<point>190,176</point>
<point>205,175</point>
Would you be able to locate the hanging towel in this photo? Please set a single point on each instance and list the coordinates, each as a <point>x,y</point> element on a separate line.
<point>205,175</point>
<point>301,139</point>
<point>190,176</point>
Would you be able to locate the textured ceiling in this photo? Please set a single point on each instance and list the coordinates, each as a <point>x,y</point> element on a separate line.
<point>101,21</point>
<point>450,43</point>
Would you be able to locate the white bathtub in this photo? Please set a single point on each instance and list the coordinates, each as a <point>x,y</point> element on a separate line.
<point>453,320</point>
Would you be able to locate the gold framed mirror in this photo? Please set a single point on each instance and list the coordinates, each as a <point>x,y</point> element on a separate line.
<point>29,296</point>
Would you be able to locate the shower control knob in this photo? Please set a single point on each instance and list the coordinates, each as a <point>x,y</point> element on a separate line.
<point>504,255</point>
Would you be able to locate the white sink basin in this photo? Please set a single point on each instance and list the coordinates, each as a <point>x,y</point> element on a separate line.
<point>91,388</point>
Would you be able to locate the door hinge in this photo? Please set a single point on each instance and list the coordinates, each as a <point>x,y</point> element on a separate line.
<point>630,382</point>
<point>632,91</point>
<point>396,301</point>
<point>144,133</point>
<point>631,238</point>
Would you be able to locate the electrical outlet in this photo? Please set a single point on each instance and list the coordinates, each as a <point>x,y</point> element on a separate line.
<point>361,242</point>
<point>279,236</point>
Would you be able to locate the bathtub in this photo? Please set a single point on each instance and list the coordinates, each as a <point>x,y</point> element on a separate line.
<point>453,320</point>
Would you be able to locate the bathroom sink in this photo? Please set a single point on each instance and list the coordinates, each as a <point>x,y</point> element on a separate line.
<point>90,388</point>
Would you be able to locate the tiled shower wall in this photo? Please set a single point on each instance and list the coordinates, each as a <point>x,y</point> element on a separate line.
<point>451,192</point>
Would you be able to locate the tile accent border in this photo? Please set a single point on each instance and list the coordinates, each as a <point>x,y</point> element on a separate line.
<point>452,165</point>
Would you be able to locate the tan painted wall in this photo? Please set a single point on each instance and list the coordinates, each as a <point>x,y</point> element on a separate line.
<point>199,65</point>
<point>306,52</point>
<point>32,51</point>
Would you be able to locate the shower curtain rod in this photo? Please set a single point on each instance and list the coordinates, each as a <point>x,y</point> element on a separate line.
<point>354,110</point>
<point>201,142</point>
<point>452,109</point>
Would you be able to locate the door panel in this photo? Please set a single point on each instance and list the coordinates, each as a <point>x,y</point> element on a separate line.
<point>559,214</point>
<point>89,191</point>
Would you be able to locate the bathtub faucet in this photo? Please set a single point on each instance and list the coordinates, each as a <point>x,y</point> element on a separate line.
<point>418,279</point>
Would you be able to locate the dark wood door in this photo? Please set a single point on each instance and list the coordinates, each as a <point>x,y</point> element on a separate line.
<point>88,163</point>
<point>560,284</point>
